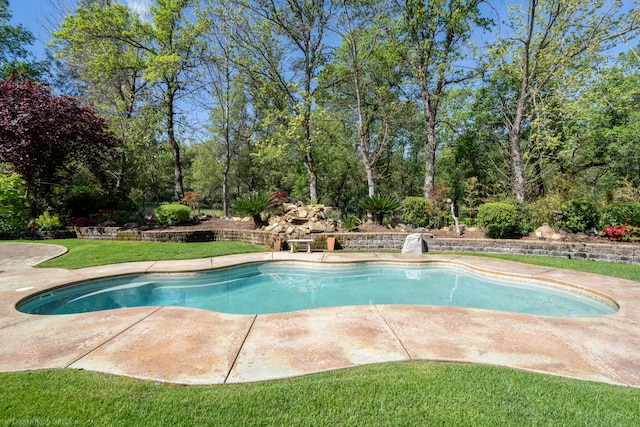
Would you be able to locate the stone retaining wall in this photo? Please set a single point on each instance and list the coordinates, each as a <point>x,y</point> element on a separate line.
<point>39,235</point>
<point>617,253</point>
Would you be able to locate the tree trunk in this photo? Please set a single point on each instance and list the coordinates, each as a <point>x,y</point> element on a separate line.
<point>175,147</point>
<point>313,177</point>
<point>515,130</point>
<point>225,190</point>
<point>430,151</point>
<point>518,181</point>
<point>227,141</point>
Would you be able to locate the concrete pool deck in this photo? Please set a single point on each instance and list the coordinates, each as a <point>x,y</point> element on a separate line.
<point>190,346</point>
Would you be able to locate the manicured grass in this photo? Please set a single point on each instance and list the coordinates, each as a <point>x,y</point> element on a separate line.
<point>398,394</point>
<point>622,271</point>
<point>88,253</point>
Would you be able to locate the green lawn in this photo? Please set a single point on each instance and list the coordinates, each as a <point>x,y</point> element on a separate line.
<point>391,394</point>
<point>88,253</point>
<point>622,271</point>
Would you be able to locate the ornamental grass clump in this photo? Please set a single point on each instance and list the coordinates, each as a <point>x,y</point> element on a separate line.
<point>349,222</point>
<point>379,205</point>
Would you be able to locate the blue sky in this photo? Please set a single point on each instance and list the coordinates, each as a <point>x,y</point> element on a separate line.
<point>32,14</point>
<point>38,16</point>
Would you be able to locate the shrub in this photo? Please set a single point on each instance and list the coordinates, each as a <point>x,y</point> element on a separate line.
<point>278,197</point>
<point>172,214</point>
<point>379,205</point>
<point>85,200</point>
<point>84,221</point>
<point>578,215</point>
<point>622,233</point>
<point>192,199</point>
<point>504,219</point>
<point>416,212</point>
<point>253,205</point>
<point>542,210</point>
<point>14,212</point>
<point>46,221</point>
<point>110,217</point>
<point>627,213</point>
<point>523,218</point>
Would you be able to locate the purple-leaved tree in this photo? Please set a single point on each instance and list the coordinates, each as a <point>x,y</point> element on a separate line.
<point>42,135</point>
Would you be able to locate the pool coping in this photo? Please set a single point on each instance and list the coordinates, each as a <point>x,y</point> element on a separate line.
<point>191,346</point>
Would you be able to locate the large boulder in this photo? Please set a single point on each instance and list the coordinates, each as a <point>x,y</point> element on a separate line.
<point>545,232</point>
<point>414,244</point>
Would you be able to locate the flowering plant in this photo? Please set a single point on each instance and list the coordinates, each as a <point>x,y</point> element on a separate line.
<point>622,233</point>
<point>84,222</point>
<point>105,212</point>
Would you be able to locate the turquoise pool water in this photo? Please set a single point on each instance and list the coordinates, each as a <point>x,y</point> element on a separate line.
<point>281,287</point>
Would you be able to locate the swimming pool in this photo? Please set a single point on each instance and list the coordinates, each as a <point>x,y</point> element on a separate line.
<point>274,287</point>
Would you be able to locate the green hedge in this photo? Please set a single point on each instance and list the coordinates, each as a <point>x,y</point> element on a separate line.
<point>416,212</point>
<point>578,215</point>
<point>173,214</point>
<point>504,220</point>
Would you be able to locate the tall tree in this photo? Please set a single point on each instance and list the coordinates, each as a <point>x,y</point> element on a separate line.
<point>432,36</point>
<point>364,73</point>
<point>602,127</point>
<point>286,43</point>
<point>163,51</point>
<point>553,41</point>
<point>230,119</point>
<point>41,134</point>
<point>108,71</point>
<point>171,60</point>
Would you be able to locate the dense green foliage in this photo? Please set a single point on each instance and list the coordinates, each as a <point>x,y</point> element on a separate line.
<point>416,212</point>
<point>621,214</point>
<point>83,200</point>
<point>14,41</point>
<point>578,215</point>
<point>504,220</point>
<point>414,393</point>
<point>14,212</point>
<point>46,221</point>
<point>173,214</point>
<point>333,102</point>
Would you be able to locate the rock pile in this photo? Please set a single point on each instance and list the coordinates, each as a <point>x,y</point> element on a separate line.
<point>301,219</point>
